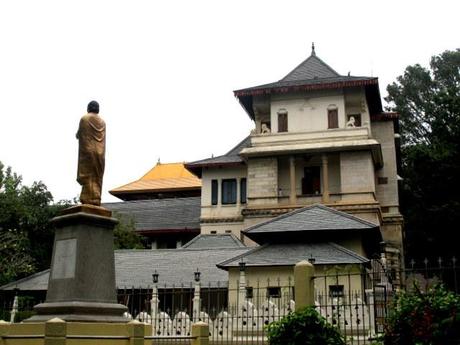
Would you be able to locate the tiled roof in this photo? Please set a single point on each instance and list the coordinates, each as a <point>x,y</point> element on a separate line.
<point>312,74</point>
<point>160,214</point>
<point>214,241</point>
<point>231,157</point>
<point>311,68</point>
<point>290,254</point>
<point>311,218</point>
<point>162,177</point>
<point>174,266</point>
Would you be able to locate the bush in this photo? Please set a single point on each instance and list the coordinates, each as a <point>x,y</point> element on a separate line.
<point>304,327</point>
<point>431,318</point>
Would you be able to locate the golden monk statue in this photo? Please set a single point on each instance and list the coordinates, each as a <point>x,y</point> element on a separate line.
<point>91,155</point>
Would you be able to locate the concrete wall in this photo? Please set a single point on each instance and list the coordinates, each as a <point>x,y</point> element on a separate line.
<point>357,173</point>
<point>387,189</point>
<point>262,180</point>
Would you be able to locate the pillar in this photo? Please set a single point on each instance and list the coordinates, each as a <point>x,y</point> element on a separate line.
<point>196,303</point>
<point>55,332</point>
<point>200,333</point>
<point>136,333</point>
<point>304,285</point>
<point>325,178</point>
<point>292,193</point>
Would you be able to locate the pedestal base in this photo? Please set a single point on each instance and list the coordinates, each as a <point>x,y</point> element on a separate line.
<point>79,311</point>
<point>82,285</point>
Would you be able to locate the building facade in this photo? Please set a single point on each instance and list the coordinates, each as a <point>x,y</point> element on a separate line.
<point>319,138</point>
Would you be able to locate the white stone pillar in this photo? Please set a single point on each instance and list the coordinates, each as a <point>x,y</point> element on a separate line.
<point>154,308</point>
<point>14,310</point>
<point>196,302</point>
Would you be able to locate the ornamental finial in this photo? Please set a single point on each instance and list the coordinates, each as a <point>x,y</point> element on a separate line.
<point>313,53</point>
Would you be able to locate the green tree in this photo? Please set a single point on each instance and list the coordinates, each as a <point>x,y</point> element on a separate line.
<point>431,318</point>
<point>124,235</point>
<point>428,101</point>
<point>26,238</point>
<point>304,327</point>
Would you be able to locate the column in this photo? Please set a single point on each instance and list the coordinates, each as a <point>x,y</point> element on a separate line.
<point>292,193</point>
<point>325,178</point>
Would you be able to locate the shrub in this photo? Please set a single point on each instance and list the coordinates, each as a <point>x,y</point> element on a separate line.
<point>430,318</point>
<point>304,327</point>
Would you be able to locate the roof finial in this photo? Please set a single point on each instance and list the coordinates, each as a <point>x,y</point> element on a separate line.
<point>313,53</point>
<point>158,161</point>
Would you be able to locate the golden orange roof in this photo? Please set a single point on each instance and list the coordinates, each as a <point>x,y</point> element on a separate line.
<point>162,177</point>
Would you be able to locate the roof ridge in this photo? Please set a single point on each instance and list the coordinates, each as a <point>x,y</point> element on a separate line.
<point>241,142</point>
<point>250,251</point>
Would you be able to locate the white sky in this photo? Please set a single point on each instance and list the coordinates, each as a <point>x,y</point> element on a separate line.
<point>164,71</point>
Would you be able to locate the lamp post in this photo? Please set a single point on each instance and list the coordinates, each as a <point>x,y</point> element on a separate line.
<point>196,297</point>
<point>154,302</point>
<point>242,283</point>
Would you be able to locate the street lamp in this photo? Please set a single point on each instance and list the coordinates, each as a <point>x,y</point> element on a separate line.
<point>242,265</point>
<point>312,260</point>
<point>197,275</point>
<point>155,277</point>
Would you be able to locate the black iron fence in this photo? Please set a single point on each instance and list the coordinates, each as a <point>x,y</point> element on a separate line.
<point>355,299</point>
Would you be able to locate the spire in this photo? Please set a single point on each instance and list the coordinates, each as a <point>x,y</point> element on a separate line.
<point>313,53</point>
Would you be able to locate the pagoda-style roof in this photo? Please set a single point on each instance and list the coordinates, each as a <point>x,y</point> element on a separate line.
<point>163,180</point>
<point>312,74</point>
<point>231,158</point>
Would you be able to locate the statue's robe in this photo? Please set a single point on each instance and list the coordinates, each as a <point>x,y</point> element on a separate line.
<point>91,158</point>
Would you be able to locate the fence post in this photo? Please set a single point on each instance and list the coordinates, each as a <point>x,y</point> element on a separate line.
<point>4,326</point>
<point>200,332</point>
<point>55,332</point>
<point>304,284</point>
<point>136,331</point>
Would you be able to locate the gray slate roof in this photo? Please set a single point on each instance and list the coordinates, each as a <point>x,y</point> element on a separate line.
<point>290,254</point>
<point>174,266</point>
<point>311,68</point>
<point>311,218</point>
<point>160,214</point>
<point>214,241</point>
<point>231,156</point>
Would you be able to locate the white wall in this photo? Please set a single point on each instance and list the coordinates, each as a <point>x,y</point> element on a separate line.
<point>220,211</point>
<point>307,112</point>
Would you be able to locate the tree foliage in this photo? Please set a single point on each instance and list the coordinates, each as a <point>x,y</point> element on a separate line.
<point>428,101</point>
<point>431,318</point>
<point>25,235</point>
<point>303,327</point>
<point>124,234</point>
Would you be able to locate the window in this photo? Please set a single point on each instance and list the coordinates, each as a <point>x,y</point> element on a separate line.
<point>243,190</point>
<point>311,181</point>
<point>229,191</point>
<point>382,180</point>
<point>273,292</point>
<point>249,292</point>
<point>214,192</point>
<point>213,232</point>
<point>282,121</point>
<point>332,118</point>
<point>355,122</point>
<point>228,231</point>
<point>336,291</point>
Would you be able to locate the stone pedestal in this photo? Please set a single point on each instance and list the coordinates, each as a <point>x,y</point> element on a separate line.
<point>82,278</point>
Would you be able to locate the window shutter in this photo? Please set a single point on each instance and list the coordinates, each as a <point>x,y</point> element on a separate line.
<point>332,118</point>
<point>214,192</point>
<point>243,191</point>
<point>282,122</point>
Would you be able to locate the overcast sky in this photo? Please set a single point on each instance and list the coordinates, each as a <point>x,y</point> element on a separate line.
<point>164,71</point>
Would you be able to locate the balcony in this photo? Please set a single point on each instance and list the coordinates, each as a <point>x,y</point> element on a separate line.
<point>338,139</point>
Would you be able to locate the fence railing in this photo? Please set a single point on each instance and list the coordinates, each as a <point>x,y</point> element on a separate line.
<point>357,302</point>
